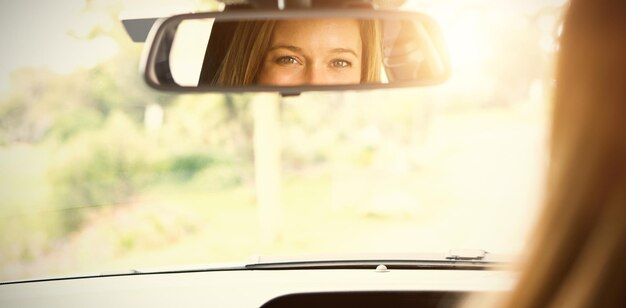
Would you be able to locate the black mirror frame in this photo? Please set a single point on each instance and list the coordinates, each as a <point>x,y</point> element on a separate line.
<point>159,32</point>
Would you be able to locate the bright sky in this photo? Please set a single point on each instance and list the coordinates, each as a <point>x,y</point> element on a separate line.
<point>47,34</point>
<point>36,34</point>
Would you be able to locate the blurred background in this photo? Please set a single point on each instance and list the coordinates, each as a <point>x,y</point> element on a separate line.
<point>100,173</point>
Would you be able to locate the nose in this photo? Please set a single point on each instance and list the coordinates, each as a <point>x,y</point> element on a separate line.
<point>316,75</point>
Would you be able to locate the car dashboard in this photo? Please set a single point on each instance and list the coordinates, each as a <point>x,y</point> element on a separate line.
<point>260,288</point>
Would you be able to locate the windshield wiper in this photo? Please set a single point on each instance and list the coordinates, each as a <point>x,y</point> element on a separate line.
<point>456,259</point>
<point>467,254</point>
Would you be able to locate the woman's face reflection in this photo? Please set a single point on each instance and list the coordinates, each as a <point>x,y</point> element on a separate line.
<point>313,52</point>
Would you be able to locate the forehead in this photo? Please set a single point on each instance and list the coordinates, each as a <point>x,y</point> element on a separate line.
<point>321,32</point>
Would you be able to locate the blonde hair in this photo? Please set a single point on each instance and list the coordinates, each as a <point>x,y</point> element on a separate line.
<point>245,54</point>
<point>372,57</point>
<point>577,254</point>
<point>252,40</point>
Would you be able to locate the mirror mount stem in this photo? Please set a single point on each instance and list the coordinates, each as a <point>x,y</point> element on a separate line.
<point>287,94</point>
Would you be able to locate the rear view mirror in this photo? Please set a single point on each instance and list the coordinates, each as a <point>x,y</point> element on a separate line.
<point>294,51</point>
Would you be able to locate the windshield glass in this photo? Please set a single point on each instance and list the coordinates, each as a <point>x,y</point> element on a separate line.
<point>99,173</point>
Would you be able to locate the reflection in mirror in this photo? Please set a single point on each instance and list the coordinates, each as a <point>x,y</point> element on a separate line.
<point>297,52</point>
<point>209,52</point>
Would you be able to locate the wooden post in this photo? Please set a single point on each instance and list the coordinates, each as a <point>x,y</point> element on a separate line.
<point>267,164</point>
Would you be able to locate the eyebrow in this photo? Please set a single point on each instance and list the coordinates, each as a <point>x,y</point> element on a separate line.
<point>289,47</point>
<point>344,50</point>
<point>299,50</point>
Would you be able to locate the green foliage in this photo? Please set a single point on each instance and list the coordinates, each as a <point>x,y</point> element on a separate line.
<point>110,164</point>
<point>27,221</point>
<point>99,168</point>
<point>222,176</point>
<point>190,164</point>
<point>88,149</point>
<point>185,166</point>
<point>34,101</point>
<point>75,122</point>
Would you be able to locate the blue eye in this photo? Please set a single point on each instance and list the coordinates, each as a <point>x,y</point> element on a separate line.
<point>340,63</point>
<point>286,60</point>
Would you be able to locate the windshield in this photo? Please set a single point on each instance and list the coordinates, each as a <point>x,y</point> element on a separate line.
<point>99,173</point>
